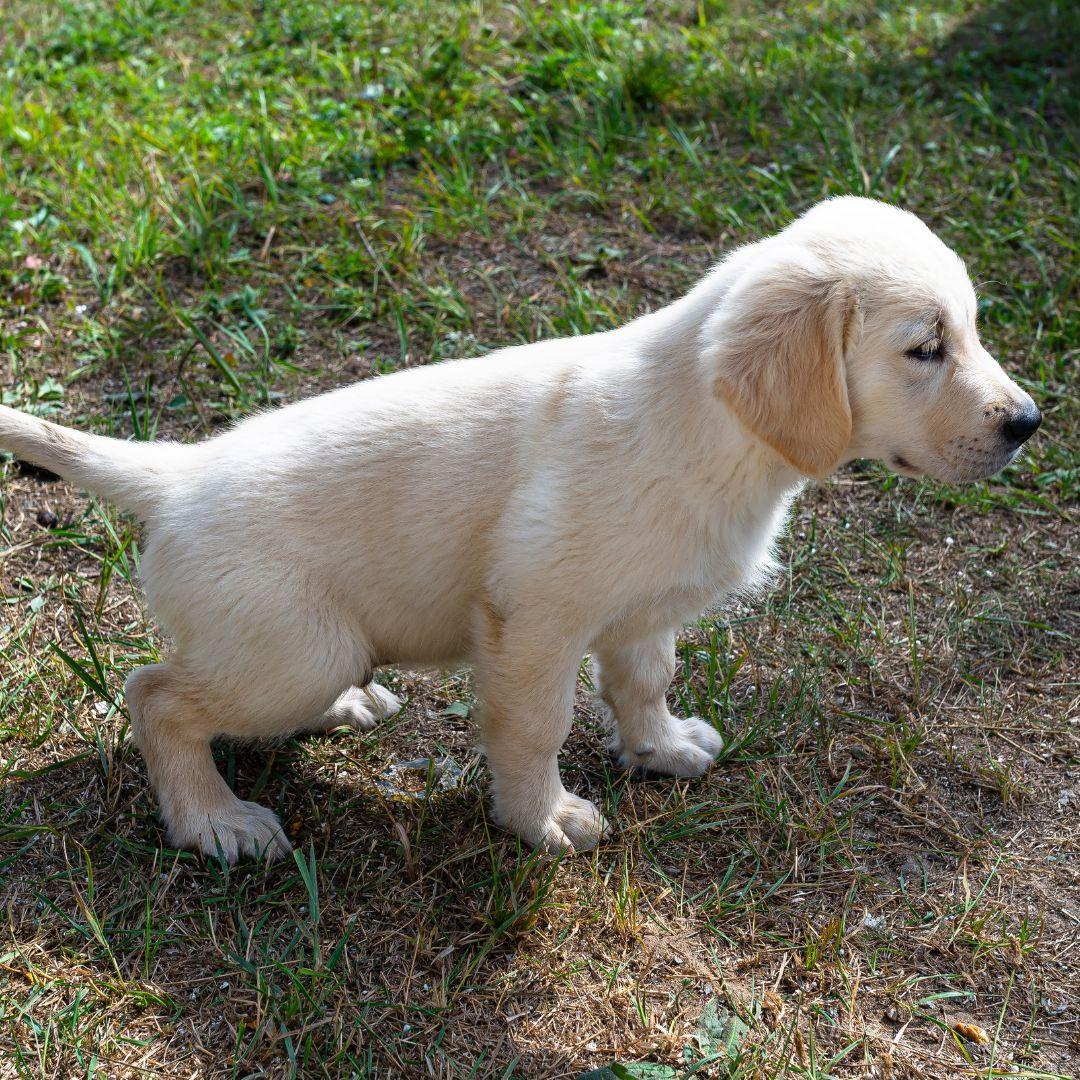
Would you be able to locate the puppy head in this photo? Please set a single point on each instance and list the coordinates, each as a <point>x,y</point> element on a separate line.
<point>852,334</point>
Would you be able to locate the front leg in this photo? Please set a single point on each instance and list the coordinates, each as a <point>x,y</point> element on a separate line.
<point>526,676</point>
<point>633,680</point>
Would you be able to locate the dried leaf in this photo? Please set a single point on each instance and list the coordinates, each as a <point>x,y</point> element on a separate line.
<point>971,1032</point>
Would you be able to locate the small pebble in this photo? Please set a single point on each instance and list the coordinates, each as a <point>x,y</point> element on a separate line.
<point>47,519</point>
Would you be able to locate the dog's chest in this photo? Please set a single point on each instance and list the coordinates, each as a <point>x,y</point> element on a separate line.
<point>732,547</point>
<point>702,567</point>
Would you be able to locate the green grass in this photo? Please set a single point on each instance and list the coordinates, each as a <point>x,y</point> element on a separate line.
<point>206,208</point>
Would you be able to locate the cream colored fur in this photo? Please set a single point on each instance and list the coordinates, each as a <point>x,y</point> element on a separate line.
<point>518,510</point>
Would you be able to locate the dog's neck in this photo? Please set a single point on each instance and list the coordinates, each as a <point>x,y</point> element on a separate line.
<point>717,452</point>
<point>728,491</point>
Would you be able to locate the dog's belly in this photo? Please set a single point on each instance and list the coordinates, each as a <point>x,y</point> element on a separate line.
<point>421,635</point>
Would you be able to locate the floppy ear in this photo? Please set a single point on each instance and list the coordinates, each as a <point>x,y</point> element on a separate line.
<point>776,346</point>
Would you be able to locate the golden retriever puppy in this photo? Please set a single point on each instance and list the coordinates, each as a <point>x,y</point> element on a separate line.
<point>518,510</point>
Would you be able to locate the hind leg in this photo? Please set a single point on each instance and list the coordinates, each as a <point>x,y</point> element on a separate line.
<point>361,707</point>
<point>172,728</point>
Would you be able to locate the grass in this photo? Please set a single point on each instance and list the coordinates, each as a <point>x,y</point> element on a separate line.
<point>208,207</point>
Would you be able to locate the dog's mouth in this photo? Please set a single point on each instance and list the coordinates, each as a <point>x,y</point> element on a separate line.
<point>956,468</point>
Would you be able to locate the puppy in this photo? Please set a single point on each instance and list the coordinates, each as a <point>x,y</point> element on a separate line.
<point>517,510</point>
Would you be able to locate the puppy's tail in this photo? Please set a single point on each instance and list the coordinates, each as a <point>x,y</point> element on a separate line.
<point>134,475</point>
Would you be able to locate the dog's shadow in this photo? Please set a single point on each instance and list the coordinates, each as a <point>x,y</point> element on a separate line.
<point>395,897</point>
<point>402,905</point>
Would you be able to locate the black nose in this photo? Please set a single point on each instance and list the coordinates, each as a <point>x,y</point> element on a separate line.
<point>1022,424</point>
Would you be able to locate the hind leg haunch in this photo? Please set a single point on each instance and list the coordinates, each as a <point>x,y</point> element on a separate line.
<point>172,729</point>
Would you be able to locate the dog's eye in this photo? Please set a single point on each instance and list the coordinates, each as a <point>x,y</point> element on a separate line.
<point>927,350</point>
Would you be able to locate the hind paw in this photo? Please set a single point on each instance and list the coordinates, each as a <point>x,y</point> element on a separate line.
<point>362,707</point>
<point>232,832</point>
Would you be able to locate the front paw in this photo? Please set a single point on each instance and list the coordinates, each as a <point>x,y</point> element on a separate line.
<point>570,824</point>
<point>685,748</point>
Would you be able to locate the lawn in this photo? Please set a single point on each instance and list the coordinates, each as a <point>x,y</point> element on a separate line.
<point>209,207</point>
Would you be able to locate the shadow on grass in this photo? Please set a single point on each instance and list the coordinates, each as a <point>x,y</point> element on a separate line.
<point>420,939</point>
